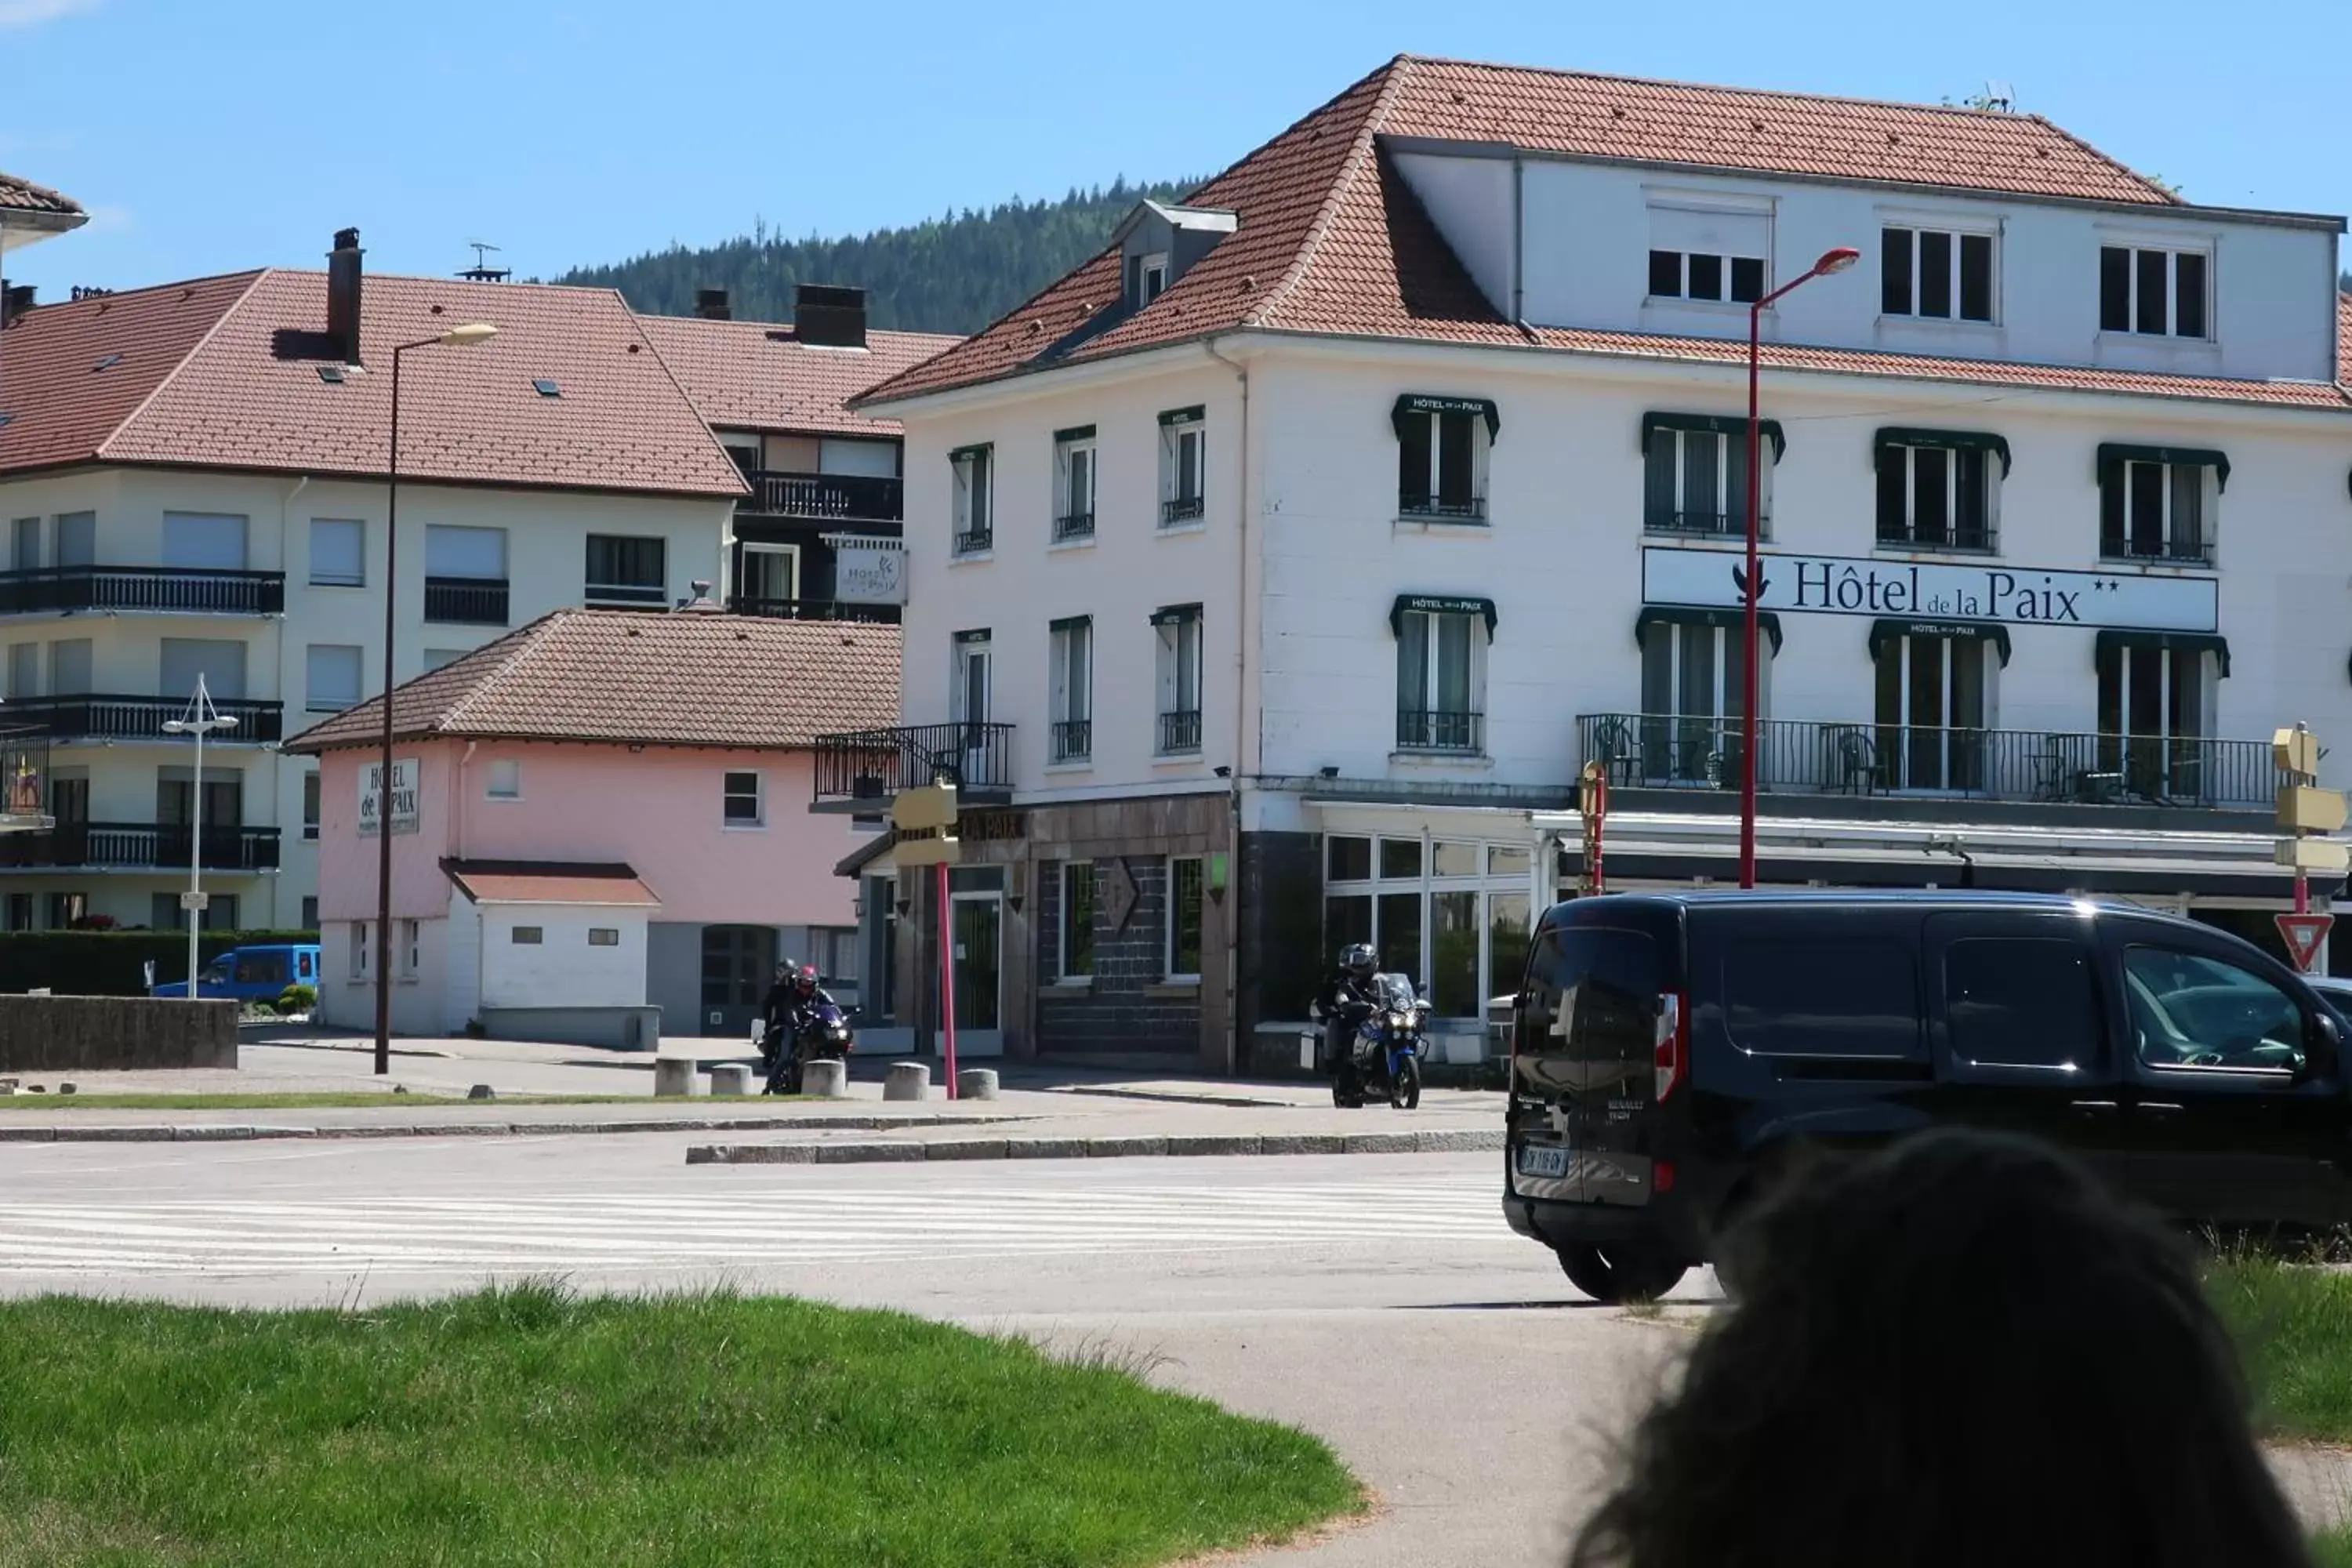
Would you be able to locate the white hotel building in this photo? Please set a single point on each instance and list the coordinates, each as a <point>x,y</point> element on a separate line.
<point>1298,551</point>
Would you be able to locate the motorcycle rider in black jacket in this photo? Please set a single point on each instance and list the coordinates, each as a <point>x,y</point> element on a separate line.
<point>1344,999</point>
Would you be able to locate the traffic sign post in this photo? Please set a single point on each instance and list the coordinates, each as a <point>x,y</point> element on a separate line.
<point>925,822</point>
<point>2306,813</point>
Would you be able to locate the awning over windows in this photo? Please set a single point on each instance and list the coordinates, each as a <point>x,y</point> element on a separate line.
<point>1949,440</point>
<point>1439,604</point>
<point>1426,402</point>
<point>2177,642</point>
<point>1175,614</point>
<point>963,454</point>
<point>1191,415</point>
<point>1767,622</point>
<point>1731,424</point>
<point>2111,453</point>
<point>1882,632</point>
<point>1076,433</point>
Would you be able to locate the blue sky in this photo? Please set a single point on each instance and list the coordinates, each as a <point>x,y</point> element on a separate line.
<point>208,137</point>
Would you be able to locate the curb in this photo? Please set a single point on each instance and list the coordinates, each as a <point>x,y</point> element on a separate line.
<point>215,1133</point>
<point>1451,1140</point>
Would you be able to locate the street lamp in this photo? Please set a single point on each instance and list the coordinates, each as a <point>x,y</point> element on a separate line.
<point>456,337</point>
<point>201,720</point>
<point>1752,586</point>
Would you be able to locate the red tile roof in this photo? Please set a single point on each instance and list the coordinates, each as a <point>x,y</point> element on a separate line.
<point>1333,242</point>
<point>550,882</point>
<point>223,372</point>
<point>686,679</point>
<point>23,195</point>
<point>754,375</point>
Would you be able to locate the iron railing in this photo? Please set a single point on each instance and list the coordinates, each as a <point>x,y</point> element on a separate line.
<point>813,609</point>
<point>973,541</point>
<point>24,772</point>
<point>1806,757</point>
<point>1180,731</point>
<point>1440,729</point>
<point>159,590</point>
<point>1074,739</point>
<point>1714,523</point>
<point>1073,525</point>
<point>875,764</point>
<point>140,844</point>
<point>1431,507</point>
<point>1183,509</point>
<point>105,716</point>
<point>833,498</point>
<point>1972,540</point>
<point>627,597</point>
<point>466,601</point>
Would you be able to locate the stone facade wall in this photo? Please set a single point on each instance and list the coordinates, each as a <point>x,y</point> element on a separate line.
<point>102,1034</point>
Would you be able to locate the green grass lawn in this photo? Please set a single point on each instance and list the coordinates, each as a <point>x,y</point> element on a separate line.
<point>2294,1329</point>
<point>523,1426</point>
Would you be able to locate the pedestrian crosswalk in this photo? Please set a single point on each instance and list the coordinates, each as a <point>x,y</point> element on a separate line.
<point>589,1233</point>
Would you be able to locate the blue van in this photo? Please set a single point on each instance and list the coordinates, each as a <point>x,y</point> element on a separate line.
<point>251,973</point>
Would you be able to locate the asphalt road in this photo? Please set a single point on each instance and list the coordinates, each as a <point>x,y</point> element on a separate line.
<point>1378,1300</point>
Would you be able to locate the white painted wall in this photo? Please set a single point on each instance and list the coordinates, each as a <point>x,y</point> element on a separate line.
<point>1585,251</point>
<point>561,969</point>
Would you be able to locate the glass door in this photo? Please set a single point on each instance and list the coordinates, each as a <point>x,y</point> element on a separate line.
<point>1931,714</point>
<point>974,680</point>
<point>977,919</point>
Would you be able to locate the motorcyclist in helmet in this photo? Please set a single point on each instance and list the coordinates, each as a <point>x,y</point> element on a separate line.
<point>1344,1001</point>
<point>776,1011</point>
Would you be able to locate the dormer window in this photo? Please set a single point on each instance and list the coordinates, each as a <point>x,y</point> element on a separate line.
<point>1709,253</point>
<point>1147,278</point>
<point>1157,242</point>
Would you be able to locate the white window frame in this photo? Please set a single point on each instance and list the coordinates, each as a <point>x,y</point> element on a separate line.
<point>1474,680</point>
<point>1481,447</point>
<point>1155,277</point>
<point>359,526</point>
<point>363,949</point>
<point>788,554</point>
<point>2172,249</point>
<point>1731,508</point>
<point>1183,455</point>
<point>967,648</point>
<point>758,797</point>
<point>510,778</point>
<point>1075,461</point>
<point>1489,882</point>
<point>1953,522</point>
<point>2209,498</point>
<point>973,484</point>
<point>1723,259</point>
<point>1956,231</point>
<point>2167,664</point>
<point>1071,685</point>
<point>1177,665</point>
<point>1200,892</point>
<point>1896,771</point>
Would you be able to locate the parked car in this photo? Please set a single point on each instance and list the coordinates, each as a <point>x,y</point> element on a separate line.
<point>2336,990</point>
<point>1672,1051</point>
<point>251,973</point>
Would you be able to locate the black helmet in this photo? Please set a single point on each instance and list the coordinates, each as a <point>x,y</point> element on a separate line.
<point>1359,960</point>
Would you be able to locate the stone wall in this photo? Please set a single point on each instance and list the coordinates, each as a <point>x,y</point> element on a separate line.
<point>111,1034</point>
<point>1127,1004</point>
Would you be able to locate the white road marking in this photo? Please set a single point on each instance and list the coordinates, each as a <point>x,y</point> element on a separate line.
<point>585,1232</point>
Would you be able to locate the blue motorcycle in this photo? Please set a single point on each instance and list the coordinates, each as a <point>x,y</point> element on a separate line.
<point>1388,1045</point>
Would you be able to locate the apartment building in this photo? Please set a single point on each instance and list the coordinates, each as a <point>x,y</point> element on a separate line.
<point>818,534</point>
<point>193,483</point>
<point>1403,469</point>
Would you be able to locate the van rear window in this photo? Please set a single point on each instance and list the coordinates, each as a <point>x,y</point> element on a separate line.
<point>1591,991</point>
<point>1811,997</point>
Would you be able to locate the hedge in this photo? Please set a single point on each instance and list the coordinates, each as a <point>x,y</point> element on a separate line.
<point>111,962</point>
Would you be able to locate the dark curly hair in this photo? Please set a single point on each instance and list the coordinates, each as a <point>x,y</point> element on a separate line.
<point>1955,1353</point>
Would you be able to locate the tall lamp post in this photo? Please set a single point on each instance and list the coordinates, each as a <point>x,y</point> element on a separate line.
<point>456,337</point>
<point>1836,260</point>
<point>201,720</point>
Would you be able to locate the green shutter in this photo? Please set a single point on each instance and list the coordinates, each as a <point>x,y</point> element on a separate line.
<point>1767,623</point>
<point>1425,402</point>
<point>1076,433</point>
<point>1439,604</point>
<point>2179,642</point>
<point>1714,425</point>
<point>1949,440</point>
<point>1882,632</point>
<point>2113,454</point>
<point>1191,415</point>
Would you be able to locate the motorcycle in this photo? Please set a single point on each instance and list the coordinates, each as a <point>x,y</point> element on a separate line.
<point>824,1035</point>
<point>1387,1048</point>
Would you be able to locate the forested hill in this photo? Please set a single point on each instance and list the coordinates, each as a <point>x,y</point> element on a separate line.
<point>953,274</point>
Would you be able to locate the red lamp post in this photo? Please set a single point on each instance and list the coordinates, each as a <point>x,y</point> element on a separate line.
<point>1836,260</point>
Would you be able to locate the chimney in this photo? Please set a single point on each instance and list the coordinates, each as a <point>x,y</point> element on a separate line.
<point>15,299</point>
<point>344,294</point>
<point>701,603</point>
<point>829,317</point>
<point>710,304</point>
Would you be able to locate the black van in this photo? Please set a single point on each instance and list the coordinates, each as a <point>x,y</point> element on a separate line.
<point>1669,1050</point>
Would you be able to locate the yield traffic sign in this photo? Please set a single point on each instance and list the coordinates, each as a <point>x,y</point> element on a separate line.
<point>2303,934</point>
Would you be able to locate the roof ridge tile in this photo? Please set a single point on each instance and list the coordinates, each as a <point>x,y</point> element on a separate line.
<point>140,410</point>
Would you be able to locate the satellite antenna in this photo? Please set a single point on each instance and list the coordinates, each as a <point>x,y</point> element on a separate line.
<point>2000,95</point>
<point>482,271</point>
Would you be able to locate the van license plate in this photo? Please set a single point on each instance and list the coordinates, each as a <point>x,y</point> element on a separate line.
<point>1536,1159</point>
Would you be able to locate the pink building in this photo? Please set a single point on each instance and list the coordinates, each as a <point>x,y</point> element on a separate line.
<point>602,812</point>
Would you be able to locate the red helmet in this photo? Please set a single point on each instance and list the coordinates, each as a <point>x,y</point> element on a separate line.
<point>805,979</point>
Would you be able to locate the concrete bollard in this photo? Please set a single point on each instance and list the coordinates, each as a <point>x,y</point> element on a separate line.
<point>673,1076</point>
<point>730,1078</point>
<point>826,1078</point>
<point>907,1080</point>
<point>976,1083</point>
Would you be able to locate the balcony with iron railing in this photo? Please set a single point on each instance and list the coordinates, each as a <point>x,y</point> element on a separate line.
<point>108,716</point>
<point>2176,549</point>
<point>138,845</point>
<point>1441,730</point>
<point>142,590</point>
<point>1180,509</point>
<point>466,601</point>
<point>24,776</point>
<point>1721,523</point>
<point>1073,525</point>
<point>860,770</point>
<point>813,610</point>
<point>1180,731</point>
<point>1808,757</point>
<point>1074,739</point>
<point>828,498</point>
<point>1442,509</point>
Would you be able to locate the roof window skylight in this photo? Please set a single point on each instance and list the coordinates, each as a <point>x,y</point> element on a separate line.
<point>547,388</point>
